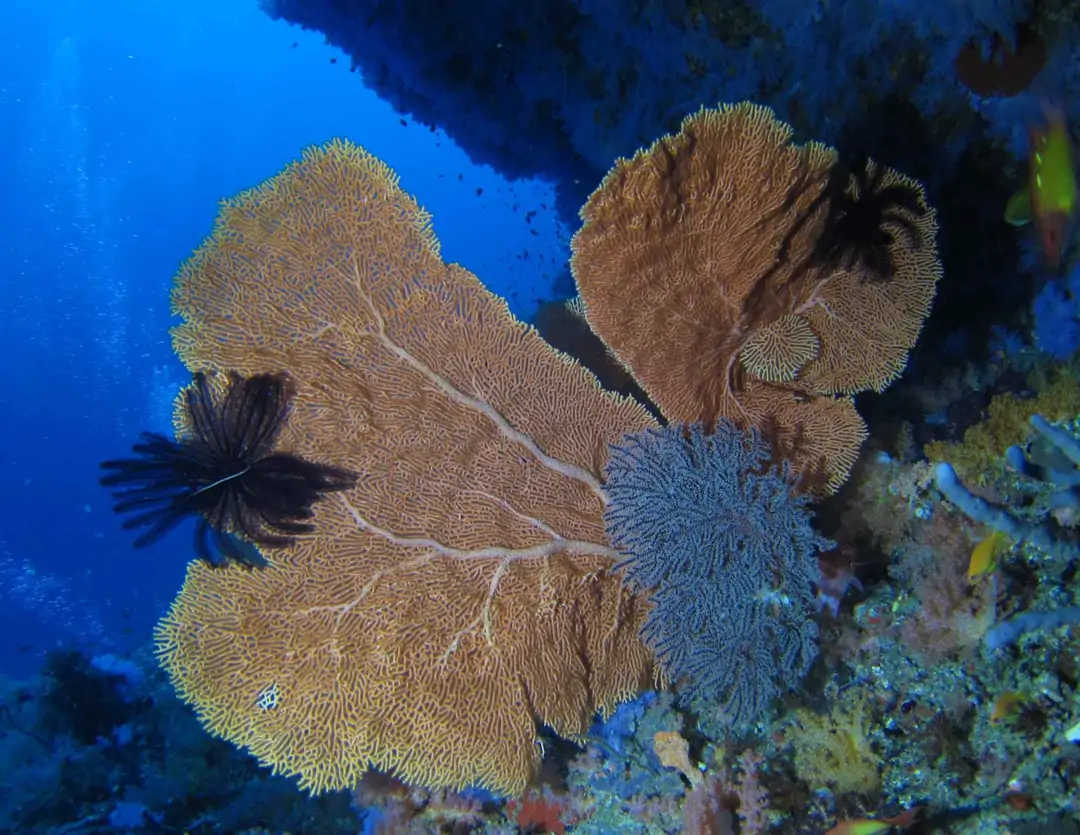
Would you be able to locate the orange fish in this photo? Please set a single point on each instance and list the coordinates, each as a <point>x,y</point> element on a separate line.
<point>1050,197</point>
<point>868,826</point>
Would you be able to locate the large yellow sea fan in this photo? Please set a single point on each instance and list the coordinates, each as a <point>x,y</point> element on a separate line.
<point>461,591</point>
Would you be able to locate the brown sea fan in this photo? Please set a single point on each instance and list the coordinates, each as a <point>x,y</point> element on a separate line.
<point>702,266</point>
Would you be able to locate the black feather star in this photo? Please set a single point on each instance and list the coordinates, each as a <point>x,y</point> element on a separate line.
<point>225,474</point>
<point>860,227</point>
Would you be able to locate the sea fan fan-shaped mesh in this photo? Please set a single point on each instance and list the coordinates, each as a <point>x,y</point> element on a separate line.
<point>694,256</point>
<point>462,591</point>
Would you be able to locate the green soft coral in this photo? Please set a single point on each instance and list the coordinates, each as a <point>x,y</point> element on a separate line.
<point>977,459</point>
<point>834,748</point>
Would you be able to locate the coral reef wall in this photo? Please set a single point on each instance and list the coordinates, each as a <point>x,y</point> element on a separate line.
<point>560,89</point>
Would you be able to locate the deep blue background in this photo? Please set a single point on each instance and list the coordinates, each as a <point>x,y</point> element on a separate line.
<point>122,123</point>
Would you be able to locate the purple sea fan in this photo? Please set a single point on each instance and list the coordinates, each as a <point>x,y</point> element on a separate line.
<point>721,542</point>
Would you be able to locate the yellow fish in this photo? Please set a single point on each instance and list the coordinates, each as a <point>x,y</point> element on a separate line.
<point>984,558</point>
<point>1050,197</point>
<point>869,826</point>
<point>1006,706</point>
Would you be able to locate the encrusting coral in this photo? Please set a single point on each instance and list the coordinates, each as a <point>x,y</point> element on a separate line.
<point>704,244</point>
<point>462,590</point>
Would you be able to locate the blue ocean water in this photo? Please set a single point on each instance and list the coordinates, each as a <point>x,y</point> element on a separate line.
<point>122,124</point>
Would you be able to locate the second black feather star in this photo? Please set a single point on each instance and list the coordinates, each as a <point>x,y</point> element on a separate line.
<point>860,212</point>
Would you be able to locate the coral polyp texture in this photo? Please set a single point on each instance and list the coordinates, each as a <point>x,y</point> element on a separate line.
<point>697,266</point>
<point>462,591</point>
<point>723,546</point>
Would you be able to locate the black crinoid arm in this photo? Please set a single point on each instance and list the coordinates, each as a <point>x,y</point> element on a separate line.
<point>225,474</point>
<point>863,218</point>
